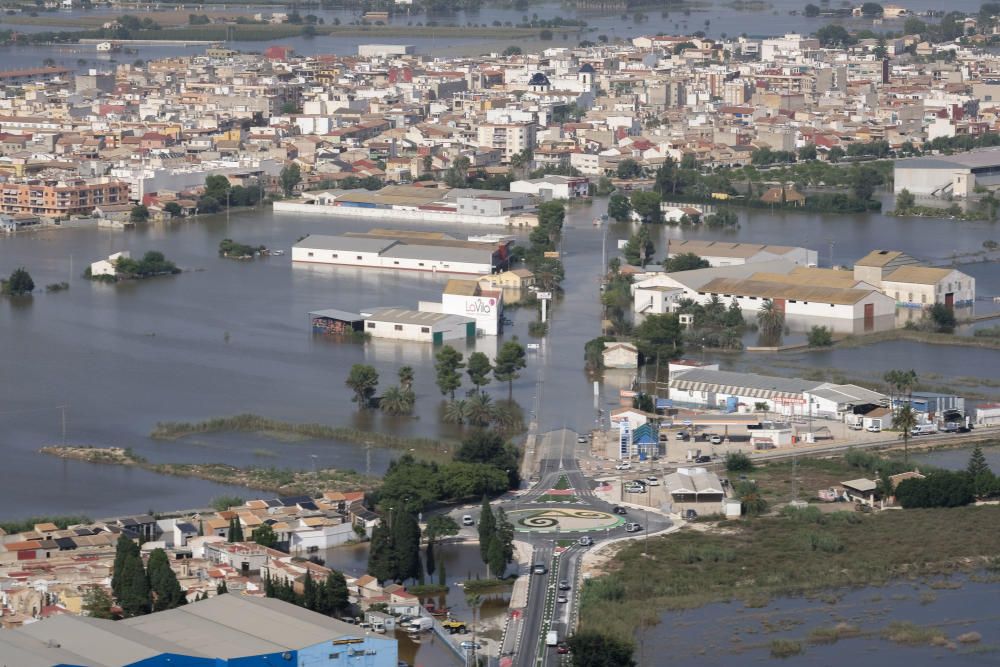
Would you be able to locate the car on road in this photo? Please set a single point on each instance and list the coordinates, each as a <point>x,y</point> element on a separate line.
<point>467,520</point>
<point>703,459</point>
<point>582,440</point>
<point>652,481</point>
<point>470,645</point>
<point>856,427</point>
<point>635,488</point>
<point>562,648</point>
<point>681,435</point>
<point>538,568</point>
<point>551,638</point>
<point>563,585</point>
<point>562,599</point>
<point>716,440</point>
<point>632,527</point>
<point>618,509</point>
<point>585,541</point>
<point>624,465</point>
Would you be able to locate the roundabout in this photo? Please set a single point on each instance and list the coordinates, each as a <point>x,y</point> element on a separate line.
<point>562,520</point>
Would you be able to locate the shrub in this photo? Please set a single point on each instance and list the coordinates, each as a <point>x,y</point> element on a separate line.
<point>738,462</point>
<point>820,337</point>
<point>785,648</point>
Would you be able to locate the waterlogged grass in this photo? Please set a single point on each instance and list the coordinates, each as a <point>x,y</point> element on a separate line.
<point>834,634</point>
<point>769,557</point>
<point>785,648</point>
<point>911,634</point>
<point>288,431</point>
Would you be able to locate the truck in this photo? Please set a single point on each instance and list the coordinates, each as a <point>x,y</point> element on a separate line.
<point>420,624</point>
<point>453,626</point>
<point>551,638</point>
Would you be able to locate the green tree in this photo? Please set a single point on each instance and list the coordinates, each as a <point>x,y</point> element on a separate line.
<point>647,206</point>
<point>905,420</point>
<point>835,154</point>
<point>166,590</point>
<point>984,482</point>
<point>479,370</point>
<point>235,533</point>
<point>173,209</point>
<point>455,412</point>
<point>479,409</point>
<point>217,187</point>
<point>864,180</point>
<point>872,10</point>
<point>820,337</point>
<point>363,381</point>
<point>97,603</point>
<point>309,593</point>
<point>332,595</point>
<point>134,599</point>
<point>125,548</point>
<point>754,503</point>
<point>502,547</point>
<point>265,536</point>
<point>639,248</point>
<point>942,488</point>
<point>405,374</point>
<point>19,283</point>
<point>396,401</point>
<point>604,187</point>
<point>738,462</point>
<point>447,364</point>
<point>410,484</point>
<point>510,359</point>
<point>905,201</point>
<point>659,337</point>
<point>494,558</point>
<point>487,529</point>
<point>628,168</point>
<point>811,10</point>
<point>382,554</point>
<point>406,544</point>
<point>463,481</point>
<point>770,320</point>
<point>619,207</point>
<point>943,318</point>
<point>290,177</point>
<point>834,36</point>
<point>591,648</point>
<point>685,261</point>
<point>139,213</point>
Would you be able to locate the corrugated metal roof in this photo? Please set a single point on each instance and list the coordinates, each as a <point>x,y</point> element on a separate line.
<point>345,243</point>
<point>745,384</point>
<point>724,248</point>
<point>977,159</point>
<point>918,275</point>
<point>787,290</point>
<point>878,258</point>
<point>419,317</point>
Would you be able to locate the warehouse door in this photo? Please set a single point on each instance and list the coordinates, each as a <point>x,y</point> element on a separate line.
<point>949,300</point>
<point>869,316</point>
<point>438,337</point>
<point>779,305</point>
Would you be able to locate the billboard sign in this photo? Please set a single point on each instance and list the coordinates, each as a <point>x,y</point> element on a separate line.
<point>543,295</point>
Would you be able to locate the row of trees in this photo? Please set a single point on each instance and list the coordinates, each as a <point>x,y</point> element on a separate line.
<point>479,409</point>
<point>496,539</point>
<point>394,554</point>
<point>944,488</point>
<point>137,589</point>
<point>548,271</point>
<point>327,597</point>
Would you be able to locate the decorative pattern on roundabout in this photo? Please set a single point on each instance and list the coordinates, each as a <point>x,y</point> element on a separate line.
<point>568,520</point>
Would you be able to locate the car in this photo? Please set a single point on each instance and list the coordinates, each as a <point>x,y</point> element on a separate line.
<point>690,514</point>
<point>562,599</point>
<point>856,427</point>
<point>467,520</point>
<point>703,459</point>
<point>618,509</point>
<point>874,428</point>
<point>716,439</point>
<point>538,568</point>
<point>624,465</point>
<point>652,481</point>
<point>632,527</point>
<point>470,645</point>
<point>563,585</point>
<point>585,541</point>
<point>562,648</point>
<point>635,488</point>
<point>681,435</point>
<point>582,440</point>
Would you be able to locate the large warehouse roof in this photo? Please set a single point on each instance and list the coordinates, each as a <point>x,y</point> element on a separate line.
<point>724,248</point>
<point>768,289</point>
<point>751,384</point>
<point>977,159</point>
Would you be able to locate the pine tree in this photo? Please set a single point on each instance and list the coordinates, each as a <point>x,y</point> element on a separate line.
<point>332,594</point>
<point>309,592</point>
<point>221,588</point>
<point>487,529</point>
<point>97,603</point>
<point>381,554</point>
<point>442,576</point>
<point>429,558</point>
<point>406,545</point>
<point>123,549</point>
<point>167,591</point>
<point>134,598</point>
<point>977,463</point>
<point>505,536</point>
<point>235,530</point>
<point>268,586</point>
<point>494,558</point>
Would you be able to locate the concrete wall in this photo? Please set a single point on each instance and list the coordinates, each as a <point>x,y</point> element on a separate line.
<point>415,332</point>
<point>923,181</point>
<point>486,311</point>
<point>384,214</point>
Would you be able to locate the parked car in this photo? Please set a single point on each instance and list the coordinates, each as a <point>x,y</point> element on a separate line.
<point>856,427</point>
<point>681,435</point>
<point>635,488</point>
<point>703,459</point>
<point>716,439</point>
<point>924,429</point>
<point>582,440</point>
<point>563,585</point>
<point>585,541</point>
<point>562,648</point>
<point>632,527</point>
<point>467,520</point>
<point>470,645</point>
<point>538,568</point>
<point>624,465</point>
<point>652,481</point>
<point>562,599</point>
<point>619,510</point>
<point>874,428</point>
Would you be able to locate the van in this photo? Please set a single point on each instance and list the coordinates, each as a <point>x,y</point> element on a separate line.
<point>923,429</point>
<point>467,520</point>
<point>551,638</point>
<point>632,527</point>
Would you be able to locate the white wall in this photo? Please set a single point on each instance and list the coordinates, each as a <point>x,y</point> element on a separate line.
<point>484,310</point>
<point>375,261</point>
<point>415,332</point>
<point>384,214</point>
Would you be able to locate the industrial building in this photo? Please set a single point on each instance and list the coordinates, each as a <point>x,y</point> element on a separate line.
<point>417,325</point>
<point>913,285</point>
<point>469,298</point>
<point>749,392</point>
<point>218,632</point>
<point>411,203</point>
<point>415,251</point>
<point>944,175</point>
<point>553,187</point>
<point>807,296</point>
<point>723,253</point>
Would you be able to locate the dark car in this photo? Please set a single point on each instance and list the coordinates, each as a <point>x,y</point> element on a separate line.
<point>562,648</point>
<point>563,585</point>
<point>619,510</point>
<point>703,459</point>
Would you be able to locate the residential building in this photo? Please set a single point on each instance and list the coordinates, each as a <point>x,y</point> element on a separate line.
<point>61,198</point>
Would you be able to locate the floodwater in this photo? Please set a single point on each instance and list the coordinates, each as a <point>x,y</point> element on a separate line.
<point>724,635</point>
<point>716,19</point>
<point>958,458</point>
<point>228,337</point>
<point>461,562</point>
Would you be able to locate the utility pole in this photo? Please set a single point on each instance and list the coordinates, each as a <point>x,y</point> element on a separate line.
<point>830,241</point>
<point>62,409</point>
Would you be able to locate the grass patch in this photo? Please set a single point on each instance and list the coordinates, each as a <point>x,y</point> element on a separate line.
<point>562,484</point>
<point>785,648</point>
<point>249,423</point>
<point>423,590</point>
<point>834,634</point>
<point>911,634</point>
<point>774,556</point>
<point>485,586</point>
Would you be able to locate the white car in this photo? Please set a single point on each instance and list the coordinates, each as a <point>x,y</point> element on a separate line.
<point>467,520</point>
<point>624,465</point>
<point>716,439</point>
<point>874,428</point>
<point>652,481</point>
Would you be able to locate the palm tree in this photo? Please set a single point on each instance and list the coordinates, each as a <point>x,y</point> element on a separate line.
<point>905,420</point>
<point>479,409</point>
<point>406,378</point>
<point>394,402</point>
<point>770,320</point>
<point>455,412</point>
<point>505,419</point>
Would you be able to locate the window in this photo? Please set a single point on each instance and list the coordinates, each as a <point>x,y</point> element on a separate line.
<point>334,656</point>
<point>371,325</point>
<point>398,327</point>
<point>910,297</point>
<point>420,264</point>
<point>359,256</point>
<point>792,301</point>
<point>310,254</point>
<point>425,329</point>
<point>334,255</point>
<point>923,298</point>
<point>396,263</point>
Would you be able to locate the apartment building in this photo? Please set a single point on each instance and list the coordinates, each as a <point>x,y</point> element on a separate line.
<point>60,198</point>
<point>509,138</point>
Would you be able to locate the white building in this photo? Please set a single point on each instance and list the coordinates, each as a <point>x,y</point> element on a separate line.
<point>553,187</point>
<point>144,178</point>
<point>416,325</point>
<point>469,299</point>
<point>620,355</point>
<point>509,138</point>
<point>106,267</point>
<point>406,253</point>
<point>912,285</point>
<point>724,253</point>
<point>943,175</point>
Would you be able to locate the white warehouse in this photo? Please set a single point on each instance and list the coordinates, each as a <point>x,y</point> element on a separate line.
<point>723,253</point>
<point>944,175</point>
<point>406,253</point>
<point>416,325</point>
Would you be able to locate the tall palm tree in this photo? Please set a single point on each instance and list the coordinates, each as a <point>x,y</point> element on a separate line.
<point>770,320</point>
<point>454,412</point>
<point>505,419</point>
<point>905,420</point>
<point>479,409</point>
